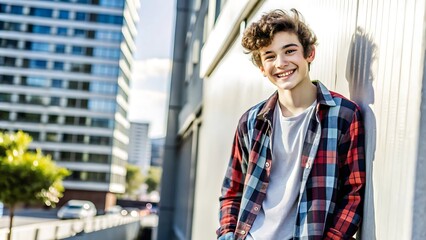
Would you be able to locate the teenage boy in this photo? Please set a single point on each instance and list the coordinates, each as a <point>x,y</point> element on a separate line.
<point>297,169</point>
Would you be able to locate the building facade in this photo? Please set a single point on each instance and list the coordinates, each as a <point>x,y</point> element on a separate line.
<point>370,51</point>
<point>64,79</point>
<point>139,145</point>
<point>157,151</point>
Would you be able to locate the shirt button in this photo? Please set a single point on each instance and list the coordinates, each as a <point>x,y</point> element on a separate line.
<point>256,209</point>
<point>243,232</point>
<point>308,165</point>
<point>267,164</point>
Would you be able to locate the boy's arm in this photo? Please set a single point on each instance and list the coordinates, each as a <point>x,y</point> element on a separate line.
<point>348,212</point>
<point>232,190</point>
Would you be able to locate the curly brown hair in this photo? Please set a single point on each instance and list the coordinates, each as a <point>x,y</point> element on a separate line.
<point>260,34</point>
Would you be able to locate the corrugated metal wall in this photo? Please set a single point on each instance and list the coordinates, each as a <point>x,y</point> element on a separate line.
<point>370,51</point>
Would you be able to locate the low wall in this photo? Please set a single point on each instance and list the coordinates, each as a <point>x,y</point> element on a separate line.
<point>100,227</point>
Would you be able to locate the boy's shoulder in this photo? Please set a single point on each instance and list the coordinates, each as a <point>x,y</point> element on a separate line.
<point>342,101</point>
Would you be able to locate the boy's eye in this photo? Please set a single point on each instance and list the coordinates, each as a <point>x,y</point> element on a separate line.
<point>269,57</point>
<point>290,51</point>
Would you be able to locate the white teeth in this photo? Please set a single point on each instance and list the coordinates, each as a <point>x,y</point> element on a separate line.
<point>285,74</point>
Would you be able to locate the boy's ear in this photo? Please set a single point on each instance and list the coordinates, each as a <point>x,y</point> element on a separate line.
<point>311,56</point>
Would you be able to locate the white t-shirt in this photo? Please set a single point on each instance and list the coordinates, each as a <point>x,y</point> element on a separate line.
<point>277,218</point>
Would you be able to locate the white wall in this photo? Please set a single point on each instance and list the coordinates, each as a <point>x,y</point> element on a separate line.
<point>370,51</point>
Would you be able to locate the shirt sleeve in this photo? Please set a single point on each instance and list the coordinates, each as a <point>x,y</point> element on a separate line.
<point>232,189</point>
<point>348,212</point>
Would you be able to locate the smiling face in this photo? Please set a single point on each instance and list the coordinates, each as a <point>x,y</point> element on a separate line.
<point>283,61</point>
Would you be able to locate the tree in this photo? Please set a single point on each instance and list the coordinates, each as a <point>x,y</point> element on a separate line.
<point>153,179</point>
<point>27,176</point>
<point>134,179</point>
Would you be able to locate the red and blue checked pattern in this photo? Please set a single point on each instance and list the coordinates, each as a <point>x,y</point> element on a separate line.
<point>331,195</point>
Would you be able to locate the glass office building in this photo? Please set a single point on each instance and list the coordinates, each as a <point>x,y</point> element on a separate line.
<point>64,79</point>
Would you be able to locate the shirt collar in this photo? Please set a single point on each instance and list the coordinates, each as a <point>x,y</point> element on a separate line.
<point>323,98</point>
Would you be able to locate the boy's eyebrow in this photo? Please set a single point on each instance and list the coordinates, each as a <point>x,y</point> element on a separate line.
<point>290,45</point>
<point>285,46</point>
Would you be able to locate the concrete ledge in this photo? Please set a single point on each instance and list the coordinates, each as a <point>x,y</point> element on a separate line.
<point>62,229</point>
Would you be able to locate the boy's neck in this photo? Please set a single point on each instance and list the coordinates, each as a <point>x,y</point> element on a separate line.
<point>295,101</point>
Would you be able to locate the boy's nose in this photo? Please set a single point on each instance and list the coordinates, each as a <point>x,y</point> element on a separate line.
<point>281,62</point>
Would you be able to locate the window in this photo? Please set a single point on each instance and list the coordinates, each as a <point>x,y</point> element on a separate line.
<point>7,61</point>
<point>60,48</point>
<point>73,85</point>
<point>105,70</point>
<point>34,81</point>
<point>80,16</point>
<point>108,35</point>
<point>37,46</point>
<point>101,105</point>
<point>34,135</point>
<point>52,119</point>
<point>10,26</point>
<point>88,176</point>
<point>62,31</point>
<point>79,121</point>
<point>112,3</point>
<point>112,53</point>
<point>30,99</point>
<point>52,137</point>
<point>99,158</point>
<point>80,67</point>
<point>8,43</point>
<point>77,103</point>
<point>72,156</point>
<point>63,14</point>
<point>55,101</point>
<point>69,120</point>
<point>79,33</point>
<point>37,64</point>
<point>4,115</point>
<point>104,18</point>
<point>102,87</point>
<point>102,122</point>
<point>99,140</point>
<point>41,12</point>
<point>16,9</point>
<point>77,50</point>
<point>77,85</point>
<point>65,156</point>
<point>56,83</point>
<point>73,138</point>
<point>58,65</point>
<point>5,97</point>
<point>28,117</point>
<point>6,79</point>
<point>38,29</point>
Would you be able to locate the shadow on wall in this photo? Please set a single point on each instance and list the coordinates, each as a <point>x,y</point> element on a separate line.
<point>360,78</point>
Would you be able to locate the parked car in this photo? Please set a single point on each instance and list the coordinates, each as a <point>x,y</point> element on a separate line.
<point>116,209</point>
<point>129,211</point>
<point>77,209</point>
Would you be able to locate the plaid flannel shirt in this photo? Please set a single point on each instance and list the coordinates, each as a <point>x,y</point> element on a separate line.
<point>332,190</point>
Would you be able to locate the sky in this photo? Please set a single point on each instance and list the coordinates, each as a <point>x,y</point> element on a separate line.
<point>152,64</point>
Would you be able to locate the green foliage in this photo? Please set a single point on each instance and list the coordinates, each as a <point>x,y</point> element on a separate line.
<point>153,179</point>
<point>134,179</point>
<point>27,176</point>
